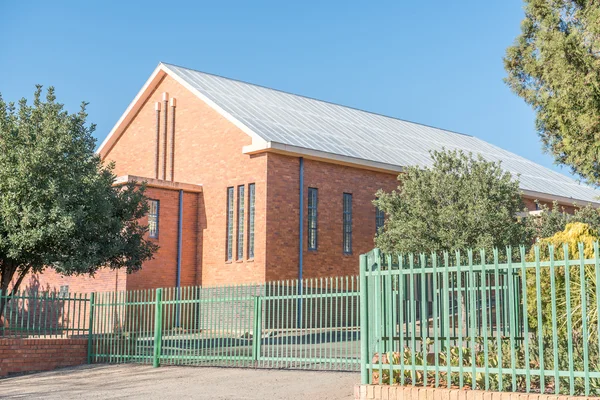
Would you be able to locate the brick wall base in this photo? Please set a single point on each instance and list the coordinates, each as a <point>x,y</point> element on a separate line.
<point>32,355</point>
<point>368,392</point>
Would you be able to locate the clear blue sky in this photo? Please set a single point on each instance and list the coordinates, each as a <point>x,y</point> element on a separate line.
<point>437,63</point>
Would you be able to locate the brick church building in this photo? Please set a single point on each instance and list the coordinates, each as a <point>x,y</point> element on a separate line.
<point>251,184</point>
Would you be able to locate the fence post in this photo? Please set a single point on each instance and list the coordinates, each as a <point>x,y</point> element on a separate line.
<point>256,331</point>
<point>364,321</point>
<point>157,329</point>
<point>91,327</point>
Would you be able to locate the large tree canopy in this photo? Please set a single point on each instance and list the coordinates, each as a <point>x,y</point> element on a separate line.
<point>460,202</point>
<point>554,65</point>
<point>58,206</point>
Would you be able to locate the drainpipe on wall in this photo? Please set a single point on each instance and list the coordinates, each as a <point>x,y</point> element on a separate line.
<point>179,245</point>
<point>301,241</point>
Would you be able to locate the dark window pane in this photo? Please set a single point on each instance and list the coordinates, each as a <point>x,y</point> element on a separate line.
<point>312,218</point>
<point>229,237</point>
<point>153,207</point>
<point>347,238</point>
<point>379,219</point>
<point>240,216</point>
<point>251,200</point>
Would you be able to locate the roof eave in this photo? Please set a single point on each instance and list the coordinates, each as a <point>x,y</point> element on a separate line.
<point>157,183</point>
<point>159,73</point>
<point>131,111</point>
<point>281,148</point>
<point>560,199</point>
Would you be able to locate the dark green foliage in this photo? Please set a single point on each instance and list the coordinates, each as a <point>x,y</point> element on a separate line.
<point>459,203</point>
<point>554,65</point>
<point>58,206</point>
<point>555,219</point>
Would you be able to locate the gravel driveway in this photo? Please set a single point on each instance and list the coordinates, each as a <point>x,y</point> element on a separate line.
<point>144,382</point>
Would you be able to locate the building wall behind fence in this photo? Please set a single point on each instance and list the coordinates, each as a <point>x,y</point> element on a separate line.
<point>332,181</point>
<point>208,152</point>
<point>32,355</point>
<point>161,271</point>
<point>48,315</point>
<point>104,280</point>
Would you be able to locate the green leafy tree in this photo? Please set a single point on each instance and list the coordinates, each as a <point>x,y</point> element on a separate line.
<point>554,65</point>
<point>460,202</point>
<point>555,219</point>
<point>58,206</point>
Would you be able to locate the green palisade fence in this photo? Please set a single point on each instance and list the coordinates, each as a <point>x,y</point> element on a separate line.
<point>505,321</point>
<point>308,324</point>
<point>32,314</point>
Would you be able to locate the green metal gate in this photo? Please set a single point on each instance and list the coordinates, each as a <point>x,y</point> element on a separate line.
<point>309,324</point>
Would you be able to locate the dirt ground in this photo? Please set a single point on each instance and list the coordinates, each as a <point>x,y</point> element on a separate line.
<point>144,382</point>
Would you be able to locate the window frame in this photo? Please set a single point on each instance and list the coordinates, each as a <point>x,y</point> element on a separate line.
<point>251,220</point>
<point>347,223</point>
<point>63,291</point>
<point>312,230</point>
<point>379,219</point>
<point>229,221</point>
<point>241,198</point>
<point>153,217</point>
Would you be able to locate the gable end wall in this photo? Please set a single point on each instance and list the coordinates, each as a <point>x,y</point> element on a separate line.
<point>208,152</point>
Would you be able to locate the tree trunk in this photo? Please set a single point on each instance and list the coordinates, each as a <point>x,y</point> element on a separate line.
<point>7,273</point>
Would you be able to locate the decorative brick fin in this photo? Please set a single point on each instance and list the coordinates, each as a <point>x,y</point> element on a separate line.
<point>157,108</point>
<point>172,155</point>
<point>166,118</point>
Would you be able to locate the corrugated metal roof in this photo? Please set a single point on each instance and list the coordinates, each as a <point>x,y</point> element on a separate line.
<point>312,124</point>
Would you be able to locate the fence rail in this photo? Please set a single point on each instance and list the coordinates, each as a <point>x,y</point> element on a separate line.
<point>44,314</point>
<point>496,321</point>
<point>308,324</point>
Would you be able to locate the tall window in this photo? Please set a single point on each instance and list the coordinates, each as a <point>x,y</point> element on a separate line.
<point>251,199</point>
<point>229,237</point>
<point>379,219</point>
<point>153,218</point>
<point>240,223</point>
<point>347,242</point>
<point>312,218</point>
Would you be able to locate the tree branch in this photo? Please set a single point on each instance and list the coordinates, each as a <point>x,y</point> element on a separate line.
<point>22,274</point>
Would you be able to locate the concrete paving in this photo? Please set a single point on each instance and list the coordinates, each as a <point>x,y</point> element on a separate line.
<point>144,382</point>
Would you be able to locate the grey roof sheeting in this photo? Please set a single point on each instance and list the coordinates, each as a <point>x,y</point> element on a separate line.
<point>312,124</point>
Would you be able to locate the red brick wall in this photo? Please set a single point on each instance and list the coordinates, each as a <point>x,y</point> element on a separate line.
<point>30,355</point>
<point>103,281</point>
<point>162,270</point>
<point>530,205</point>
<point>332,181</point>
<point>208,151</point>
<point>159,272</point>
<point>397,392</point>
